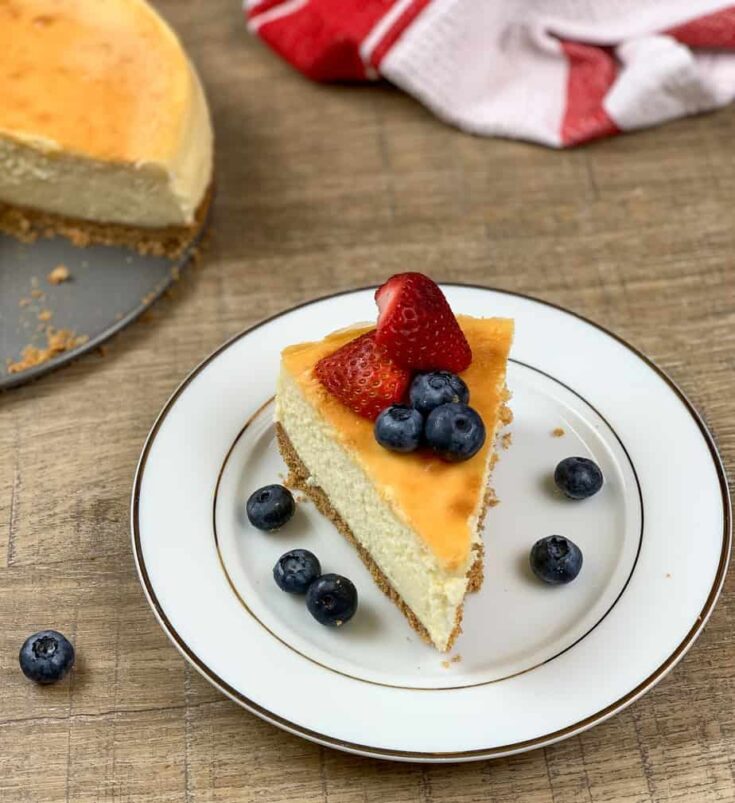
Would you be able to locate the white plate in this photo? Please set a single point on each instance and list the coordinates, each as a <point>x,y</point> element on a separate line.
<point>538,664</point>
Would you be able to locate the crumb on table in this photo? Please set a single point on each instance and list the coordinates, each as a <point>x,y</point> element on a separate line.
<point>506,440</point>
<point>24,302</point>
<point>58,275</point>
<point>57,342</point>
<point>45,315</point>
<point>36,292</point>
<point>559,432</point>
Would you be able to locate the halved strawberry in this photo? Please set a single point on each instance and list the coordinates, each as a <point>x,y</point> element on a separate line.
<point>417,327</point>
<point>363,377</point>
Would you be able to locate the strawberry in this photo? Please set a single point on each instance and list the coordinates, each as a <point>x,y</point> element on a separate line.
<point>417,327</point>
<point>363,377</point>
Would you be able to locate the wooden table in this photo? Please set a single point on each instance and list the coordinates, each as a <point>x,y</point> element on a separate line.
<point>320,189</point>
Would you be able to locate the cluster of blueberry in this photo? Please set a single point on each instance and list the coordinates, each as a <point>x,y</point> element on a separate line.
<point>555,559</point>
<point>439,417</point>
<point>330,598</point>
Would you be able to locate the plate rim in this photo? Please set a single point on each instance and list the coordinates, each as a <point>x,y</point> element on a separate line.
<point>450,756</point>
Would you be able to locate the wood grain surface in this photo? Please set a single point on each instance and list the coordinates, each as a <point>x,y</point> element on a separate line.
<point>322,189</point>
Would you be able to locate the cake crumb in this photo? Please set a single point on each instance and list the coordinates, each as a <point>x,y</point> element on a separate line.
<point>45,315</point>
<point>559,432</point>
<point>37,293</point>
<point>668,574</point>
<point>78,237</point>
<point>58,275</point>
<point>24,302</point>
<point>57,342</point>
<point>455,659</point>
<point>446,664</point>
<point>506,440</point>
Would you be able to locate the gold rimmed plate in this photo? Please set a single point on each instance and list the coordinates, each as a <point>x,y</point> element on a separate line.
<point>534,664</point>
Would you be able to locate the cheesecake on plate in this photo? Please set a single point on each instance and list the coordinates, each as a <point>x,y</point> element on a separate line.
<point>415,519</point>
<point>105,133</point>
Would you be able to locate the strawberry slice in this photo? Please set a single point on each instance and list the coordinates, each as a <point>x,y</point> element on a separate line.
<point>417,327</point>
<point>363,377</point>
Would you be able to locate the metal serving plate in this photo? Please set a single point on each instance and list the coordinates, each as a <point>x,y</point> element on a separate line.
<point>108,289</point>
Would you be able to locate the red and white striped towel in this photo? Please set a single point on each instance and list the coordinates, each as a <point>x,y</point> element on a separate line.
<point>557,72</point>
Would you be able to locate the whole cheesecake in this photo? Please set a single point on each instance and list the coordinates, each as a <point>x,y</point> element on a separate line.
<point>105,134</point>
<point>415,520</point>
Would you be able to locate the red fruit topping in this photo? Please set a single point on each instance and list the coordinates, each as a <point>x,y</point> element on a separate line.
<point>417,327</point>
<point>363,377</point>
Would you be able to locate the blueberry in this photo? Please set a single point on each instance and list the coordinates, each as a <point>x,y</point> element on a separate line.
<point>399,428</point>
<point>296,570</point>
<point>455,432</point>
<point>556,559</point>
<point>270,507</point>
<point>578,477</point>
<point>332,600</point>
<point>439,387</point>
<point>46,656</point>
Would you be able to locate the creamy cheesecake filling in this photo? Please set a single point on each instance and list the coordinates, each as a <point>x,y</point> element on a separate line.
<point>77,188</point>
<point>428,588</point>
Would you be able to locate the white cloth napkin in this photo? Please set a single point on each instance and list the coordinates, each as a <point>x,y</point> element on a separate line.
<point>557,72</point>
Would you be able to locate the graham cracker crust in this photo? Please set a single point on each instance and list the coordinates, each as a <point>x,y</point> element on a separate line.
<point>28,225</point>
<point>298,479</point>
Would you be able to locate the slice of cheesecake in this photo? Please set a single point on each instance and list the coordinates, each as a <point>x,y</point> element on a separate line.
<point>105,133</point>
<point>415,520</point>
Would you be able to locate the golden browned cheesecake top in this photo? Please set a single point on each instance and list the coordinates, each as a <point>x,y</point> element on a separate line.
<point>100,78</point>
<point>437,500</point>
